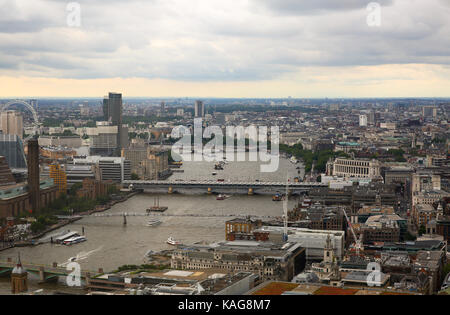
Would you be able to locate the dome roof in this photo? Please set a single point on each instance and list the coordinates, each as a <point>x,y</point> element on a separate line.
<point>19,270</point>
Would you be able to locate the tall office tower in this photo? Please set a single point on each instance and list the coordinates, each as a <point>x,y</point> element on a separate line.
<point>106,108</point>
<point>163,107</point>
<point>112,108</point>
<point>112,111</point>
<point>33,174</point>
<point>363,120</point>
<point>199,109</point>
<point>11,147</point>
<point>429,111</point>
<point>371,118</point>
<point>12,123</point>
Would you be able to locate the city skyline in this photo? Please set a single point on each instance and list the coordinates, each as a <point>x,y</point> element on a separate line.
<point>242,49</point>
<point>222,153</point>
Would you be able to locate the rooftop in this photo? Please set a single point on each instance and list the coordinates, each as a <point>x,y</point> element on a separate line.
<point>288,288</point>
<point>13,191</point>
<point>241,249</point>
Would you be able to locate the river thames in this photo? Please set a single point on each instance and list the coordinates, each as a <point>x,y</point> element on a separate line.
<point>111,244</point>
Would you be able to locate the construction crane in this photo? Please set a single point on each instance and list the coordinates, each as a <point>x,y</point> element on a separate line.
<point>285,211</point>
<point>358,241</point>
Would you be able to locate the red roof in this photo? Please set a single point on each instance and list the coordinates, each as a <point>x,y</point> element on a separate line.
<point>276,288</point>
<point>335,291</point>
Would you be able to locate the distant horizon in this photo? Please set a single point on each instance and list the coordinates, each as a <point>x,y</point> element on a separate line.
<point>230,98</point>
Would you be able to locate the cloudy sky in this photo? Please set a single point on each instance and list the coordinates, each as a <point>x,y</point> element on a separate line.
<point>225,48</point>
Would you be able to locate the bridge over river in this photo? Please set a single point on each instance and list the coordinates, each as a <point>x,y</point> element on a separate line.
<point>185,186</point>
<point>45,273</point>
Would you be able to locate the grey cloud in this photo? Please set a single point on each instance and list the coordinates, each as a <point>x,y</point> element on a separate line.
<point>217,40</point>
<point>316,6</point>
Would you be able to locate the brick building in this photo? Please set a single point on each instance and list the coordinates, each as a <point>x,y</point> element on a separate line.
<point>92,189</point>
<point>6,176</point>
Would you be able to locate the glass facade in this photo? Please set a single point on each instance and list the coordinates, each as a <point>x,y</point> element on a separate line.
<point>11,147</point>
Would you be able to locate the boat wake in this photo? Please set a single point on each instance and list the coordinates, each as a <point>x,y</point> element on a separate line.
<point>80,256</point>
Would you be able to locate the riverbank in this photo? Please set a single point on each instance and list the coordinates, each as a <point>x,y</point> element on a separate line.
<point>33,240</point>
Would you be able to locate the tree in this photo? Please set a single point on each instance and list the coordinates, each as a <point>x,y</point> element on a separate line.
<point>37,227</point>
<point>446,269</point>
<point>422,230</point>
<point>134,176</point>
<point>73,190</point>
<point>409,237</point>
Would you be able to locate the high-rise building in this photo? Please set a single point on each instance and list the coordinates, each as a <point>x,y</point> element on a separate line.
<point>116,169</point>
<point>199,109</point>
<point>33,174</point>
<point>373,118</point>
<point>429,111</point>
<point>11,147</point>
<point>112,108</point>
<point>59,177</point>
<point>363,120</point>
<point>104,139</point>
<point>112,111</point>
<point>12,123</point>
<point>163,107</point>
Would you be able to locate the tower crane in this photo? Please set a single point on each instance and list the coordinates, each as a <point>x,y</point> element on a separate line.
<point>285,211</point>
<point>358,241</point>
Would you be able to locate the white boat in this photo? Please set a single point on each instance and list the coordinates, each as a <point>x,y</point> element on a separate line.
<point>222,197</point>
<point>66,236</point>
<point>155,222</point>
<point>75,240</point>
<point>172,241</point>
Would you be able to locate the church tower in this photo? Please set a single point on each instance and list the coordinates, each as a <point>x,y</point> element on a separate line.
<point>328,251</point>
<point>19,278</point>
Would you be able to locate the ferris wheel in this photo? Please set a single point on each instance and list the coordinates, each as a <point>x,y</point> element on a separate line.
<point>36,124</point>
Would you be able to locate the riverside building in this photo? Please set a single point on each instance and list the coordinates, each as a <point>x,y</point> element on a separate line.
<point>356,168</point>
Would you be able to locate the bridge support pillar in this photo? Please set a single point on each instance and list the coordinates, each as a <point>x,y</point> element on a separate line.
<point>250,192</point>
<point>170,190</point>
<point>41,274</point>
<point>88,279</point>
<point>209,191</point>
